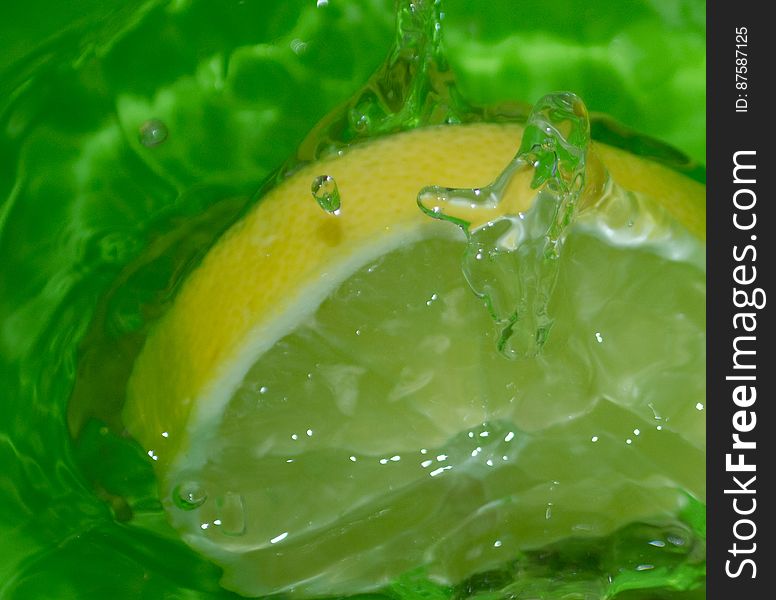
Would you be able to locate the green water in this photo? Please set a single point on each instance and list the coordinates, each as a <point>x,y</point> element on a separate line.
<point>103,211</point>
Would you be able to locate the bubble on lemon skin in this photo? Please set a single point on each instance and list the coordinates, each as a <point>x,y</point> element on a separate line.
<point>326,194</point>
<point>152,133</point>
<point>511,260</point>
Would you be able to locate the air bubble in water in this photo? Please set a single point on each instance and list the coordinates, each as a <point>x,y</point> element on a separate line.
<point>152,133</point>
<point>189,495</point>
<point>361,123</point>
<point>326,193</point>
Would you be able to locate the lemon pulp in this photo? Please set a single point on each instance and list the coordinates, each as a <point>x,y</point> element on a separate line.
<point>327,408</point>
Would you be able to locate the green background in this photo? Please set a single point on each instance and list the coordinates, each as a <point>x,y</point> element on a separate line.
<point>95,228</point>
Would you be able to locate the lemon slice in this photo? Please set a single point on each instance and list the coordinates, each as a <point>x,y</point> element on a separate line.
<point>326,407</point>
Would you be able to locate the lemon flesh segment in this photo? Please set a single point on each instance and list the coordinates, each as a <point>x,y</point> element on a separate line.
<point>329,410</point>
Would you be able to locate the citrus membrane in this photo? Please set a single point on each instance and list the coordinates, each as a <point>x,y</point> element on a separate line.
<point>327,407</point>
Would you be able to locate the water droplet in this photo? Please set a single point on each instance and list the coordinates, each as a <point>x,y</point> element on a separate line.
<point>699,406</point>
<point>326,193</point>
<point>594,438</point>
<point>152,133</point>
<point>189,495</point>
<point>230,509</point>
<point>598,337</point>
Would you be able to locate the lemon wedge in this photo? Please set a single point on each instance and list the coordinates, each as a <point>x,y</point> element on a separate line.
<point>326,407</point>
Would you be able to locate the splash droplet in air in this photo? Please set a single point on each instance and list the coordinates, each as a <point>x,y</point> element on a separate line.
<point>511,260</point>
<point>326,193</point>
<point>152,133</point>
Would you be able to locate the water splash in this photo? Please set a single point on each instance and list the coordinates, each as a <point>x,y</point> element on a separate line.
<point>414,87</point>
<point>516,225</point>
<point>147,284</point>
<point>326,193</point>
